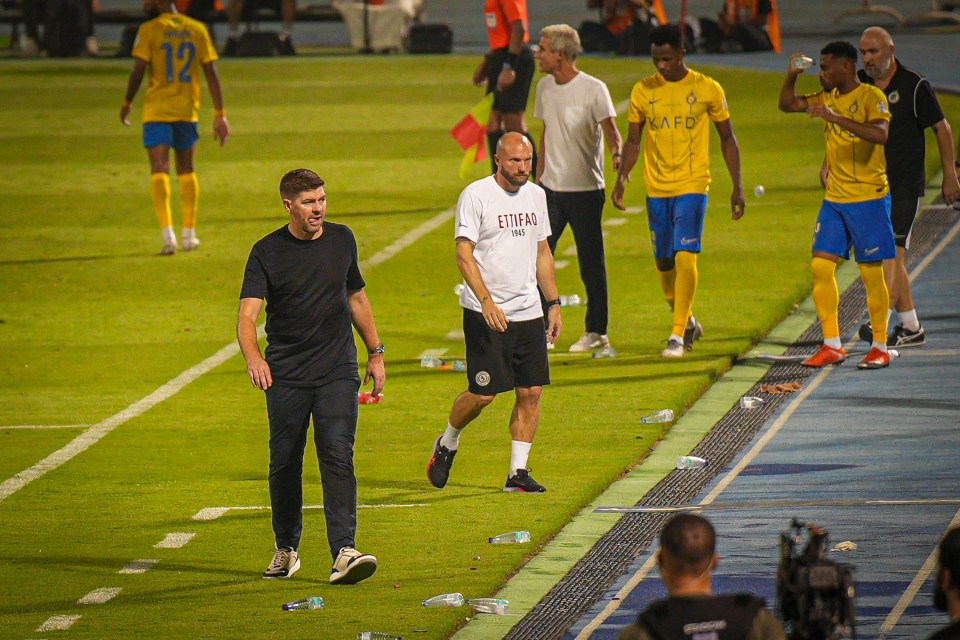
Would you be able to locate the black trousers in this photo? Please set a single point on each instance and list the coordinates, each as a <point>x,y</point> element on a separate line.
<point>583,211</point>
<point>334,410</point>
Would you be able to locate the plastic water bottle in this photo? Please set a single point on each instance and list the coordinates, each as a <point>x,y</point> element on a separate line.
<point>377,635</point>
<point>664,415</point>
<point>751,402</point>
<point>514,537</point>
<point>570,301</point>
<point>304,604</point>
<point>690,462</point>
<point>445,600</point>
<point>367,397</point>
<point>606,352</point>
<point>431,362</point>
<point>489,605</point>
<point>801,62</point>
<point>458,365</point>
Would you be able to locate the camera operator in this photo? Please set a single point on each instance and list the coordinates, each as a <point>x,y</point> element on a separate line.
<point>946,588</point>
<point>687,558</point>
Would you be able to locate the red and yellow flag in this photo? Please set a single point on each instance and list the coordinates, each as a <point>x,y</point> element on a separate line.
<point>471,134</point>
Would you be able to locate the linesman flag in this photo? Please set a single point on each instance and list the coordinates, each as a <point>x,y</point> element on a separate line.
<point>471,134</point>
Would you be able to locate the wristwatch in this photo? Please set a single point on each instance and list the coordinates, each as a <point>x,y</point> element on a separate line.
<point>550,303</point>
<point>377,349</point>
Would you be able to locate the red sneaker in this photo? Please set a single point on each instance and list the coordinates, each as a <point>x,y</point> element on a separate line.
<point>826,355</point>
<point>875,359</point>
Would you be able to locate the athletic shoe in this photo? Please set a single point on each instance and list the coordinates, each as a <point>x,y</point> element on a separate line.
<point>168,249</point>
<point>523,483</point>
<point>351,566</point>
<point>903,337</point>
<point>28,48</point>
<point>284,564</point>
<point>285,46</point>
<point>875,359</point>
<point>91,47</point>
<point>588,342</point>
<point>674,349</point>
<point>189,243</point>
<point>866,332</point>
<point>231,49</point>
<point>826,355</point>
<point>438,469</point>
<point>691,335</point>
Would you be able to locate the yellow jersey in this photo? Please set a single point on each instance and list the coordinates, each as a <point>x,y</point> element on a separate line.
<point>174,48</point>
<point>858,169</point>
<point>677,117</point>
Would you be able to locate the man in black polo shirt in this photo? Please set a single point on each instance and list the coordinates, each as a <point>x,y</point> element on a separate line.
<point>913,108</point>
<point>307,272</point>
<point>686,559</point>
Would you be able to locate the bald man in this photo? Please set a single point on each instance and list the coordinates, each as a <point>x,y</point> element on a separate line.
<point>687,559</point>
<point>913,108</point>
<point>502,227</point>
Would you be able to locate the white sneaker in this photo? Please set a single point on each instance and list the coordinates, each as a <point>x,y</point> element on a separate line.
<point>90,44</point>
<point>28,48</point>
<point>284,564</point>
<point>674,349</point>
<point>189,243</point>
<point>588,342</point>
<point>168,249</point>
<point>351,566</point>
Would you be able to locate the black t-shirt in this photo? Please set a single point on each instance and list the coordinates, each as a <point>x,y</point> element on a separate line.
<point>913,108</point>
<point>305,283</point>
<point>950,632</point>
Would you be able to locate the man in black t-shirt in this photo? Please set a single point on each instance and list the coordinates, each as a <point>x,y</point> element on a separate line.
<point>913,108</point>
<point>686,559</point>
<point>946,586</point>
<point>307,272</point>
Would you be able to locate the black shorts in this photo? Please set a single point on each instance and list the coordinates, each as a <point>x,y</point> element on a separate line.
<point>514,98</point>
<point>903,211</point>
<point>498,362</point>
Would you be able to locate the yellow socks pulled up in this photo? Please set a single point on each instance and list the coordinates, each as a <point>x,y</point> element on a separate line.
<point>189,198</point>
<point>826,297</point>
<point>160,195</point>
<point>878,300</point>
<point>685,288</point>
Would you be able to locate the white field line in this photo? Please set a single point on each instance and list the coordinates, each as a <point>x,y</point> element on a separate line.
<point>101,595</point>
<point>58,623</point>
<point>174,541</point>
<point>212,513</point>
<point>634,210</point>
<point>95,433</point>
<point>560,264</point>
<point>454,334</point>
<point>44,426</point>
<point>432,353</point>
<point>614,222</point>
<point>571,250</point>
<point>138,566</point>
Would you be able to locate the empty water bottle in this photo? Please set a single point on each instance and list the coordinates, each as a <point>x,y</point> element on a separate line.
<point>304,604</point>
<point>751,402</point>
<point>664,415</point>
<point>431,362</point>
<point>458,365</point>
<point>377,635</point>
<point>570,301</point>
<point>514,537</point>
<point>367,397</point>
<point>690,462</point>
<point>489,605</point>
<point>606,352</point>
<point>445,600</point>
<point>801,62</point>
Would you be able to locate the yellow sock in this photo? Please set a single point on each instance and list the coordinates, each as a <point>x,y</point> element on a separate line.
<point>189,198</point>
<point>667,283</point>
<point>684,290</point>
<point>826,296</point>
<point>160,194</point>
<point>878,298</point>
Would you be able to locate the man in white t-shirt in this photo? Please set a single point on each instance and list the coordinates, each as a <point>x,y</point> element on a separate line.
<point>578,115</point>
<point>502,252</point>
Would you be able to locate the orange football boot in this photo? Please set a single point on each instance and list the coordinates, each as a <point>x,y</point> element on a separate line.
<point>826,355</point>
<point>875,359</point>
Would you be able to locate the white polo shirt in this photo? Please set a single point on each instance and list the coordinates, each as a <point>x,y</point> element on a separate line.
<point>571,115</point>
<point>506,228</point>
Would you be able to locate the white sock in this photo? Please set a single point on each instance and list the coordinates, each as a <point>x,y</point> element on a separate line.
<point>451,438</point>
<point>674,336</point>
<point>833,343</point>
<point>519,452</point>
<point>169,235</point>
<point>691,322</point>
<point>909,320</point>
<point>188,233</point>
<point>882,346</point>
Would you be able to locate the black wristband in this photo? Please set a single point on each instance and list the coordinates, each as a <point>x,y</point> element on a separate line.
<point>550,303</point>
<point>512,59</point>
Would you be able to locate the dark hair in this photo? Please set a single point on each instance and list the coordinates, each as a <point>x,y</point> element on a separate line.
<point>950,554</point>
<point>297,181</point>
<point>840,49</point>
<point>667,34</point>
<point>690,541</point>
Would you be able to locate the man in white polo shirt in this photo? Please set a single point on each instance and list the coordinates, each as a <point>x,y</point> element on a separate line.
<point>502,252</point>
<point>578,115</point>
